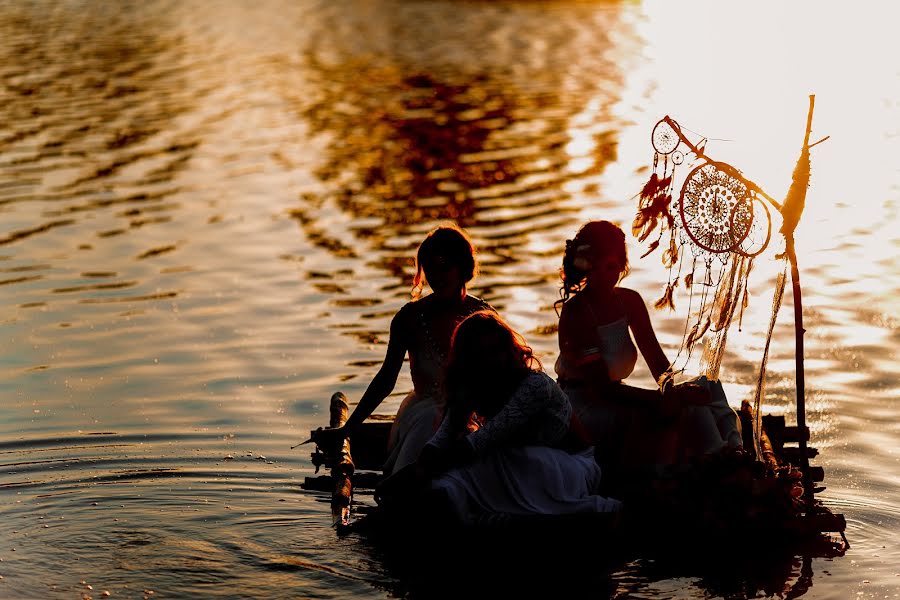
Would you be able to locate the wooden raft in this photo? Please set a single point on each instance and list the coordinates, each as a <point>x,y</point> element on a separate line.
<point>780,446</point>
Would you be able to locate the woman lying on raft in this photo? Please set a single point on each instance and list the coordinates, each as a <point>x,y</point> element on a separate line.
<point>526,458</point>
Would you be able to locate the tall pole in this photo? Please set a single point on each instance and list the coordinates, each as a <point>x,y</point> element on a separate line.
<point>793,207</point>
<point>790,210</point>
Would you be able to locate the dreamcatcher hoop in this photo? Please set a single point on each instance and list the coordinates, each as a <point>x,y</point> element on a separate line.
<point>666,137</point>
<point>716,207</point>
<point>757,238</point>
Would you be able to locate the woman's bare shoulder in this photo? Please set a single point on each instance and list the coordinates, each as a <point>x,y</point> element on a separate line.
<point>407,315</point>
<point>477,303</point>
<point>574,303</point>
<point>631,300</point>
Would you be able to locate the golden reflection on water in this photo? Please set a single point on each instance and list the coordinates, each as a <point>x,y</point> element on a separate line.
<point>209,216</point>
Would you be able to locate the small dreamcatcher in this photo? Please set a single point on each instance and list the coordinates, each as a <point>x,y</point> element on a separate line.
<point>719,216</point>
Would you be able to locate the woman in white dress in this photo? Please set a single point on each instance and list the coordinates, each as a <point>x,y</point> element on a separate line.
<point>525,458</point>
<point>602,327</point>
<point>421,328</point>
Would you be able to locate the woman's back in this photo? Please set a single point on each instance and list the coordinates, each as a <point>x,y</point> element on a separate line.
<point>430,324</point>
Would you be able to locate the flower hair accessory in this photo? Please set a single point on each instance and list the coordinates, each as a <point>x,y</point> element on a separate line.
<point>581,261</point>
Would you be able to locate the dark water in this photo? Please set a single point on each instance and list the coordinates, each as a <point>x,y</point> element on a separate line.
<point>207,217</point>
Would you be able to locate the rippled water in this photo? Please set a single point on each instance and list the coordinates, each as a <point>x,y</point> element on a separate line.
<point>207,217</point>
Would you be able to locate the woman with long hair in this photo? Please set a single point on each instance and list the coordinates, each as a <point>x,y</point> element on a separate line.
<point>602,327</point>
<point>526,457</point>
<point>446,262</point>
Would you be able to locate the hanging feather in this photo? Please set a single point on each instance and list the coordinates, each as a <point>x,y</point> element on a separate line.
<point>653,245</point>
<point>692,337</point>
<point>696,333</point>
<point>651,188</point>
<point>761,378</point>
<point>653,205</point>
<point>724,300</point>
<point>744,304</point>
<point>667,297</point>
<point>670,256</point>
<point>689,279</point>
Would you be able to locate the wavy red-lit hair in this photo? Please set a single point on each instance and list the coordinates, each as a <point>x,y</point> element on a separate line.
<point>465,367</point>
<point>599,239</point>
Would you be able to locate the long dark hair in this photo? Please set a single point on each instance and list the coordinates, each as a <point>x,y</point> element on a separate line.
<point>465,367</point>
<point>450,243</point>
<point>594,239</point>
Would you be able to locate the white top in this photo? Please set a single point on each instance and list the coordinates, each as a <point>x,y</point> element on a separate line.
<point>616,348</point>
<point>614,345</point>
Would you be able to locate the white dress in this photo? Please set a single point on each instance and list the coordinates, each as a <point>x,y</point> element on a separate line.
<point>517,470</point>
<point>710,427</point>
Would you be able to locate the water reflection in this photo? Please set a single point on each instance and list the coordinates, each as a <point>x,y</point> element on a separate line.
<point>208,218</point>
<point>472,142</point>
<point>601,567</point>
<point>750,569</point>
<point>86,128</point>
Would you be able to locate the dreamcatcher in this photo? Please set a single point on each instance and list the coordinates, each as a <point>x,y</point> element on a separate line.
<point>722,221</point>
<point>721,217</point>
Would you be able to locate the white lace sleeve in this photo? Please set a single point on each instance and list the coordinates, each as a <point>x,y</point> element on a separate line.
<point>516,421</point>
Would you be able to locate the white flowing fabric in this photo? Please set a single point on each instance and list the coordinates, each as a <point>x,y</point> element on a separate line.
<point>714,425</point>
<point>526,480</point>
<point>416,422</point>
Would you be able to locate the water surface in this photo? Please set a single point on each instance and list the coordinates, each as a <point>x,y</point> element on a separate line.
<point>207,219</point>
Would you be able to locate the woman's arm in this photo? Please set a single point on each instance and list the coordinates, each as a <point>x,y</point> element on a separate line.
<point>446,448</point>
<point>644,335</point>
<point>580,358</point>
<point>386,378</point>
<point>533,395</point>
<point>380,386</point>
<point>569,349</point>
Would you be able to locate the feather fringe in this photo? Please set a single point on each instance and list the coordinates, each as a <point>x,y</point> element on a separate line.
<point>667,297</point>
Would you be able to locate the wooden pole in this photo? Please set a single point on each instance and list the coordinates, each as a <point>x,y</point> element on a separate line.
<point>342,468</point>
<point>798,336</point>
<point>801,379</point>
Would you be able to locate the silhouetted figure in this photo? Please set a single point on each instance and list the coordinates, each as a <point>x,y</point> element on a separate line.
<point>525,459</point>
<point>602,327</point>
<point>422,328</point>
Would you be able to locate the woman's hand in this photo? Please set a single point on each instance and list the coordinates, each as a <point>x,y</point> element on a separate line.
<point>460,453</point>
<point>410,481</point>
<point>432,461</point>
<point>594,371</point>
<point>330,439</point>
<point>669,407</point>
<point>402,486</point>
